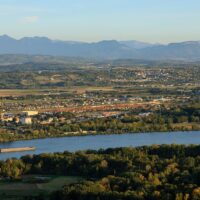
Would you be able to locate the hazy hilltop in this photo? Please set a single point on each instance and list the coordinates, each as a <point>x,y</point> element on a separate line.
<point>108,49</point>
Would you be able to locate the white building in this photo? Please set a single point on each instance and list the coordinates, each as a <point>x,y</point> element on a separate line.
<point>26,120</point>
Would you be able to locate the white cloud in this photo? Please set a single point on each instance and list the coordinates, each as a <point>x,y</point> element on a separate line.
<point>30,19</point>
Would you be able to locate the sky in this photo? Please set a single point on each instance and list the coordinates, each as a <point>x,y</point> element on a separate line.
<point>155,21</point>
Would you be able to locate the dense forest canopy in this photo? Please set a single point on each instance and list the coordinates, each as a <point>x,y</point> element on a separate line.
<point>146,173</point>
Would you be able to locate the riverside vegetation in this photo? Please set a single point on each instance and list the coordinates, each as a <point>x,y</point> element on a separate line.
<point>163,120</point>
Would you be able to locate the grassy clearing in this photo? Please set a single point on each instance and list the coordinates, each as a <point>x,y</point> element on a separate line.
<point>186,125</point>
<point>57,183</point>
<point>14,190</point>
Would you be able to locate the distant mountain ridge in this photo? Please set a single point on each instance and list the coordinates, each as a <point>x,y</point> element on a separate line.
<point>107,49</point>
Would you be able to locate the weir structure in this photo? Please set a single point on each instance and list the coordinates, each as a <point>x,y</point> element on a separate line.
<point>18,149</point>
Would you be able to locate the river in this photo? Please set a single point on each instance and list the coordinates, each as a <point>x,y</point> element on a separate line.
<point>100,141</point>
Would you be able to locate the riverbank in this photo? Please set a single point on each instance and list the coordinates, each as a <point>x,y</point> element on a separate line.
<point>145,129</point>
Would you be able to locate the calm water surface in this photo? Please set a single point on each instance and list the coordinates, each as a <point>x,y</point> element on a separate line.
<point>100,141</point>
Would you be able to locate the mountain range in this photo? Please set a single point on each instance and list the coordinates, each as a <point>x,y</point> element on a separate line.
<point>107,49</point>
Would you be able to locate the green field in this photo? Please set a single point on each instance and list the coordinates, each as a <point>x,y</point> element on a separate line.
<point>31,187</point>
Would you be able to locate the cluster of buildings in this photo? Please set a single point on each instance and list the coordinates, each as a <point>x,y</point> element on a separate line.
<point>24,117</point>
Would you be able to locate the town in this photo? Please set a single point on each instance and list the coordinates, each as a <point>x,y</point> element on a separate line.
<point>111,100</point>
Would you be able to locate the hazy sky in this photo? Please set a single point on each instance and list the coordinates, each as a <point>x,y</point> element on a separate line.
<point>92,20</point>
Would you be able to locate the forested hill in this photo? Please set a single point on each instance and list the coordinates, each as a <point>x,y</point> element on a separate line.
<point>166,172</point>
